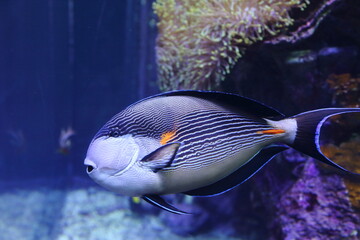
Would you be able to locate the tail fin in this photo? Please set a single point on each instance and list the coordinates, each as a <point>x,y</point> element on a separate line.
<point>308,131</point>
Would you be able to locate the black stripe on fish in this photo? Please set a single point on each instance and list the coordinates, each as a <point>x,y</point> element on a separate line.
<point>139,124</point>
<point>201,127</point>
<point>222,121</point>
<point>214,148</point>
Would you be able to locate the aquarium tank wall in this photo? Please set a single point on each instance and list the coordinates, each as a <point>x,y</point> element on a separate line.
<point>68,66</point>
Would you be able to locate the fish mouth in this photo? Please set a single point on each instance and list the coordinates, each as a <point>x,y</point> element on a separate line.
<point>91,169</point>
<point>100,172</point>
<point>99,175</point>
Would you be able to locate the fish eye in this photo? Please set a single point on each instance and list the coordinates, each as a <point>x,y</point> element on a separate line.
<point>89,168</point>
<point>114,133</point>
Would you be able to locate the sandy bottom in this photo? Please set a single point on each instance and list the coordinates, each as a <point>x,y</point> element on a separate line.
<point>89,213</point>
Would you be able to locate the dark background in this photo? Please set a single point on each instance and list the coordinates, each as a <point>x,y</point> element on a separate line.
<point>67,63</point>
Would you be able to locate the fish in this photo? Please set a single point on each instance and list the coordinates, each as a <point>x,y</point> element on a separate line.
<point>65,140</point>
<point>199,143</point>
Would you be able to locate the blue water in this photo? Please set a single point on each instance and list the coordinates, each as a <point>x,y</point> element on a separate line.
<point>63,64</point>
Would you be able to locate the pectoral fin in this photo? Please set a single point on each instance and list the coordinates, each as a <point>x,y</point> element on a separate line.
<point>158,201</point>
<point>161,157</point>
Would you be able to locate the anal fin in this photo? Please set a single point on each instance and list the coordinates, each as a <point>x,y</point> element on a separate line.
<point>241,175</point>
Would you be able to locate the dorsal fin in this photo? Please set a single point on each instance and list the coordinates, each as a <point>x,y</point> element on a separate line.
<point>236,101</point>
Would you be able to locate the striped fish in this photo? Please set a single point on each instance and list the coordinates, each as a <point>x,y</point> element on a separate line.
<point>197,143</point>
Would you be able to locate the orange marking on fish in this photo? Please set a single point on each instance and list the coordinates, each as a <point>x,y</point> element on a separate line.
<point>167,137</point>
<point>271,131</point>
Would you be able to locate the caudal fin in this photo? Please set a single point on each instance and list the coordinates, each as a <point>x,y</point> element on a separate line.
<point>308,131</point>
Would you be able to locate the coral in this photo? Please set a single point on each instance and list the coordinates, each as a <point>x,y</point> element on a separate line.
<point>346,89</point>
<point>200,41</point>
<point>345,93</point>
<point>348,156</point>
<point>189,224</point>
<point>306,25</point>
<point>316,207</point>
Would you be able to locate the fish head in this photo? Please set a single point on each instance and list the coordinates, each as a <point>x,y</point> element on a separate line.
<point>110,157</point>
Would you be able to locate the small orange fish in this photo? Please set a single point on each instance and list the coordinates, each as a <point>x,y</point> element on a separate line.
<point>65,141</point>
